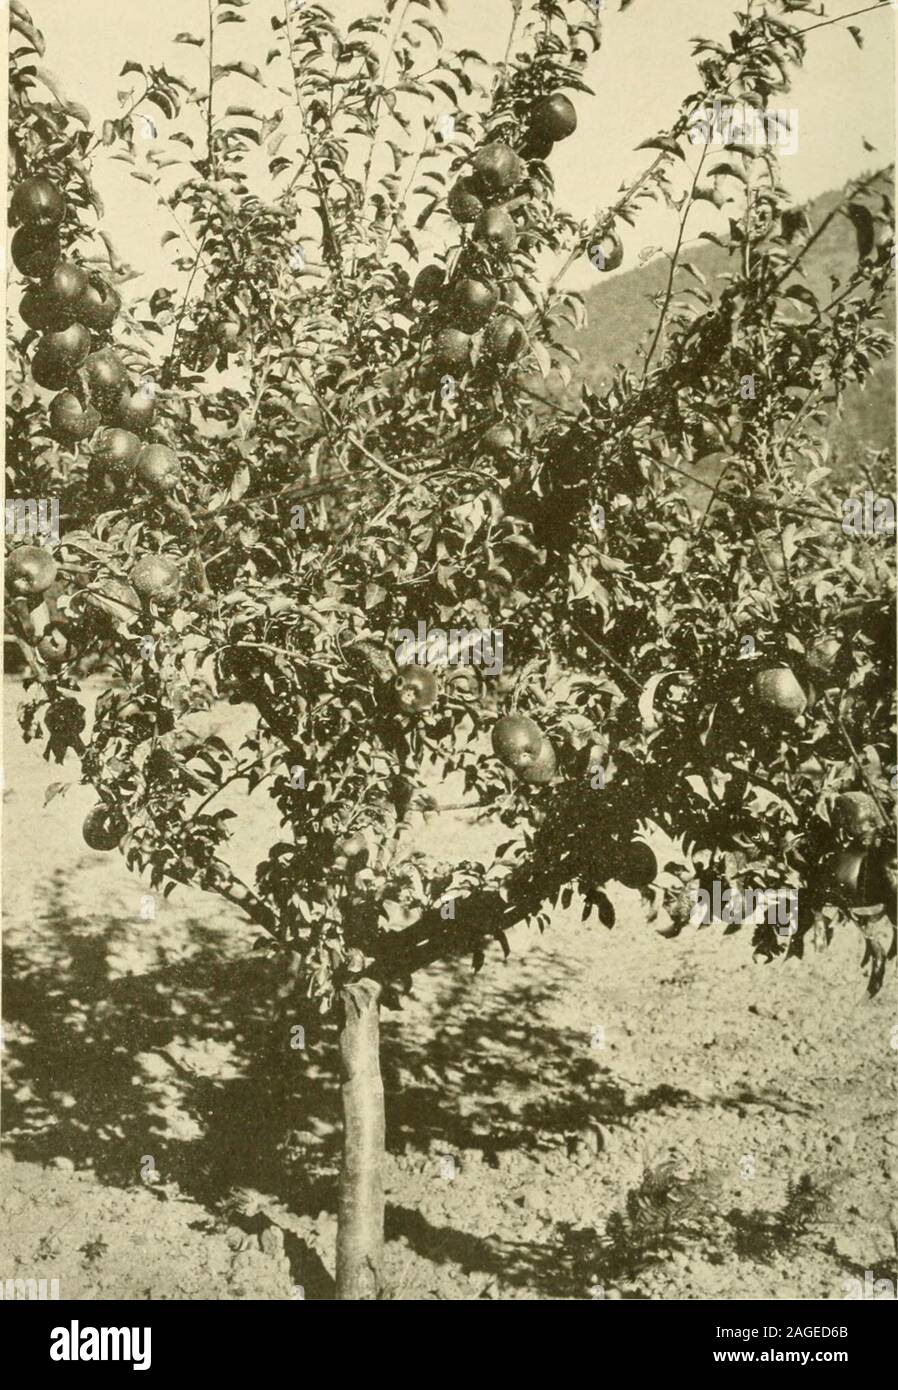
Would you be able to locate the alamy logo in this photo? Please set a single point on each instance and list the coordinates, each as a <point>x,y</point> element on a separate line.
<point>36,519</point>
<point>743,125</point>
<point>457,647</point>
<point>77,1343</point>
<point>870,516</point>
<point>31,1289</point>
<point>723,904</point>
<point>872,1289</point>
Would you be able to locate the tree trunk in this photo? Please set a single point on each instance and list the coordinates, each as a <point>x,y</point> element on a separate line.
<point>360,1234</point>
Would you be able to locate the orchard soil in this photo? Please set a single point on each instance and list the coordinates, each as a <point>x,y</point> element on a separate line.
<point>170,1133</point>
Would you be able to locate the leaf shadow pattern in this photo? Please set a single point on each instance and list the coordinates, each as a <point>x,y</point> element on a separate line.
<point>190,1061</point>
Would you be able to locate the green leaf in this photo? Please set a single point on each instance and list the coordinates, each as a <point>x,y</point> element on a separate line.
<point>803,293</point>
<point>864,226</point>
<point>374,594</point>
<point>241,68</point>
<point>730,171</point>
<point>240,482</point>
<point>667,143</point>
<point>606,911</point>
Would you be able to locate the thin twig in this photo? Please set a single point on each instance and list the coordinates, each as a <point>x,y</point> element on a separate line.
<point>840,18</point>
<point>601,224</point>
<point>603,651</point>
<point>209,111</point>
<point>862,772</point>
<point>674,261</point>
<point>353,439</point>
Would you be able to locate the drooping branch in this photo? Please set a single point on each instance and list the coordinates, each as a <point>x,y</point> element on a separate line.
<point>479,918</point>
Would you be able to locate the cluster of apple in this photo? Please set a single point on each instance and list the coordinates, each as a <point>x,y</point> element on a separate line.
<point>520,745</point>
<point>863,870</point>
<point>468,303</point>
<point>471,301</point>
<point>74,311</point>
<point>518,742</point>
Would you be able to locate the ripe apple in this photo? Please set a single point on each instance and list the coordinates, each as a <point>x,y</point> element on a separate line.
<point>517,741</point>
<point>49,370</point>
<point>64,288</point>
<point>855,816</point>
<point>67,346</point>
<point>777,691</point>
<point>496,168</point>
<point>106,377</point>
<point>554,117</point>
<point>612,252</point>
<point>54,647</point>
<point>638,867</point>
<point>158,468</point>
<point>30,570</point>
<point>451,350</point>
<point>156,577</point>
<point>115,452</point>
<point>104,827</point>
<point>98,306</point>
<point>429,283</point>
<point>415,688</point>
<point>885,878</point>
<point>35,254</point>
<point>494,228</point>
<point>849,872</point>
<point>504,339</point>
<point>497,440</point>
<point>135,410</point>
<point>542,768</point>
<point>38,203</point>
<point>464,201</point>
<point>471,302</point>
<point>37,312</point>
<point>70,421</point>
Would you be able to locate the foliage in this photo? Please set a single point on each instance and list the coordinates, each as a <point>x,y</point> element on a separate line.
<point>761,1235</point>
<point>336,486</point>
<point>667,1211</point>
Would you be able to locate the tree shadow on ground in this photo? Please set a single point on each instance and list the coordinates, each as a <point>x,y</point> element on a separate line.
<point>191,1062</point>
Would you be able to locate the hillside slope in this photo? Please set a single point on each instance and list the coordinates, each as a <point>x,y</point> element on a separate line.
<point>621,313</point>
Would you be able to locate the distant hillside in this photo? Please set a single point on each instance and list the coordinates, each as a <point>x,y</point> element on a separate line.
<point>620,314</point>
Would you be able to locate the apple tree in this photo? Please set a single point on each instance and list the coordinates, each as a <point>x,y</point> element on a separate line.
<point>359,411</point>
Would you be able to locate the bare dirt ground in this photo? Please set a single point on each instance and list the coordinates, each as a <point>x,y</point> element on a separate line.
<point>609,1113</point>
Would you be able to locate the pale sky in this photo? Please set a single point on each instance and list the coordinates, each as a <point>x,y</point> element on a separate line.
<point>644,67</point>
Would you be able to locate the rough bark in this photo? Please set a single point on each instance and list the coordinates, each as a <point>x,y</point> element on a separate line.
<point>360,1235</point>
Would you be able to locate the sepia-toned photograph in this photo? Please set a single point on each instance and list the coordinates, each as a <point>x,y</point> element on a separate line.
<point>449,671</point>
